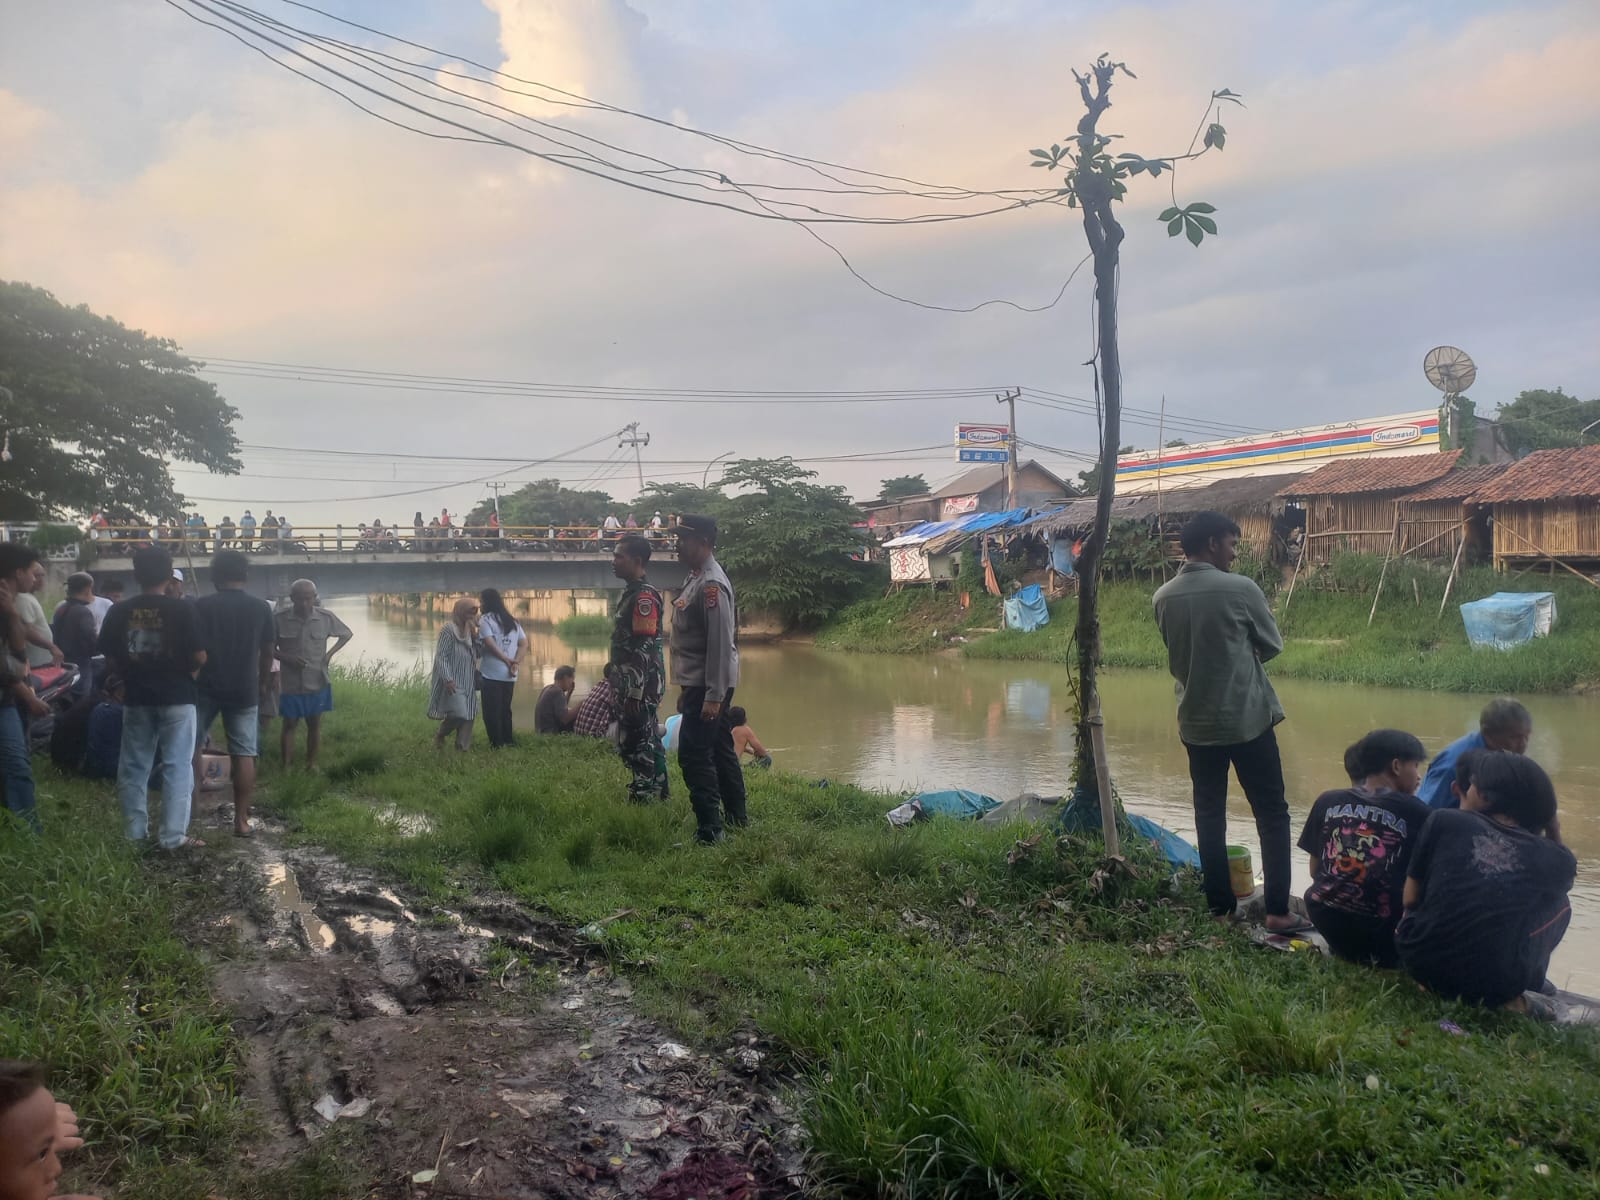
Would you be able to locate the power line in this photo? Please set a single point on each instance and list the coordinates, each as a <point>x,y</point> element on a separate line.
<point>599,168</point>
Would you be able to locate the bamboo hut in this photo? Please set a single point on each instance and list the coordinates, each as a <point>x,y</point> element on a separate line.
<point>1547,508</point>
<point>1255,502</point>
<point>1439,515</point>
<point>1354,505</point>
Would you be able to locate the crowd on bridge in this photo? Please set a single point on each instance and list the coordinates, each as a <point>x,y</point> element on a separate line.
<point>191,533</point>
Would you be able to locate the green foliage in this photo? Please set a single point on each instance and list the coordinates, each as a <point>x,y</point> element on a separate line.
<point>52,537</point>
<point>97,412</point>
<point>1133,548</point>
<point>1541,419</point>
<point>545,503</point>
<point>680,498</point>
<point>584,629</point>
<point>787,542</point>
<point>910,621</point>
<point>1089,480</point>
<point>902,486</point>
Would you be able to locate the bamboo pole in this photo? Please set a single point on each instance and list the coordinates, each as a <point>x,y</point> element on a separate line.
<point>1423,545</point>
<point>1393,538</point>
<point>1102,775</point>
<point>1454,567</point>
<point>1293,579</point>
<point>1546,554</point>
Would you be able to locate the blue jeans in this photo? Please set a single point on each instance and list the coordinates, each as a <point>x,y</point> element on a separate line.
<point>16,767</point>
<point>148,731</point>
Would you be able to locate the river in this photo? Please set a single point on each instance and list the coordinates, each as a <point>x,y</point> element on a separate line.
<point>906,723</point>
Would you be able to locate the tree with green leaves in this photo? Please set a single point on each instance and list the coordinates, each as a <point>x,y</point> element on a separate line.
<point>93,411</point>
<point>787,542</point>
<point>1095,181</point>
<point>543,503</point>
<point>902,486</point>
<point>679,498</point>
<point>1542,419</point>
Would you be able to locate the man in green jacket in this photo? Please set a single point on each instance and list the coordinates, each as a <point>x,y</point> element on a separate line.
<point>1219,631</point>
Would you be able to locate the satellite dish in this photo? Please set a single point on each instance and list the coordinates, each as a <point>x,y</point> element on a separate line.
<point>1450,370</point>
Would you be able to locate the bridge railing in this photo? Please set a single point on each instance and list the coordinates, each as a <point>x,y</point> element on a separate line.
<point>111,541</point>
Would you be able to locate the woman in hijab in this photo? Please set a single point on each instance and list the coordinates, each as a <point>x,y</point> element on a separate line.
<point>453,702</point>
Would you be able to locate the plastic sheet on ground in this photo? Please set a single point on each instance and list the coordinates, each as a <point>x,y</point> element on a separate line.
<point>957,802</point>
<point>1082,813</point>
<point>1027,610</point>
<point>1509,619</point>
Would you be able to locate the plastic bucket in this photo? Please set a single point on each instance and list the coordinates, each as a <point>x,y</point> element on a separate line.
<point>1241,871</point>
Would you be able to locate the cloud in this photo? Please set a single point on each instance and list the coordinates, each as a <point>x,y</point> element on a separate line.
<point>1401,177</point>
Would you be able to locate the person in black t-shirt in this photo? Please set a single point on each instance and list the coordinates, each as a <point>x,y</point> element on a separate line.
<point>152,642</point>
<point>238,633</point>
<point>1486,897</point>
<point>1360,840</point>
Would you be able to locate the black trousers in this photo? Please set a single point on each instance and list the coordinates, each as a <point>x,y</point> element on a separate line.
<point>710,766</point>
<point>497,710</point>
<point>1260,772</point>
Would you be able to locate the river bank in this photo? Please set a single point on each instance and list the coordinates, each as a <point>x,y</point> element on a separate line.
<point>941,1003</point>
<point>1325,629</point>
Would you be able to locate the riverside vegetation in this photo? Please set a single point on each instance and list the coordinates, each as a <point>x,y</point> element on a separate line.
<point>962,1012</point>
<point>1325,631</point>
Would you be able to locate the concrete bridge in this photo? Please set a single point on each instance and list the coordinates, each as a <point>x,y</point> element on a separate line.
<point>361,572</point>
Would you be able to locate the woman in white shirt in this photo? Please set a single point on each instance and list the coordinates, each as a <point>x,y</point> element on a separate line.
<point>503,646</point>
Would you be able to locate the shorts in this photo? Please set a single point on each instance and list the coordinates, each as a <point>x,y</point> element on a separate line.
<point>293,706</point>
<point>242,726</point>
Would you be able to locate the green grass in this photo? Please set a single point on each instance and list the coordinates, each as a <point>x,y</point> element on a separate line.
<point>95,983</point>
<point>1325,631</point>
<point>965,1026</point>
<point>911,621</point>
<point>584,628</point>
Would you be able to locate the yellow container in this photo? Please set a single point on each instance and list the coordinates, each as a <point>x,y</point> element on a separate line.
<point>1241,871</point>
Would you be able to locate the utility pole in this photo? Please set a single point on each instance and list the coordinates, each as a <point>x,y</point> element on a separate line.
<point>635,439</point>
<point>495,488</point>
<point>1010,399</point>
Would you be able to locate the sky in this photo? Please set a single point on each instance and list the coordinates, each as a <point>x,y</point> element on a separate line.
<point>1403,175</point>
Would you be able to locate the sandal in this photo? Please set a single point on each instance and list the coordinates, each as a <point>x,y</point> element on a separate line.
<point>1301,925</point>
<point>188,843</point>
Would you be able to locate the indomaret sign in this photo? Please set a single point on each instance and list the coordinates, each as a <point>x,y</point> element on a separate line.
<point>1279,453</point>
<point>983,443</point>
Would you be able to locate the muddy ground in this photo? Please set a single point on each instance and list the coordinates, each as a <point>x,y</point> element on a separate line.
<point>481,1051</point>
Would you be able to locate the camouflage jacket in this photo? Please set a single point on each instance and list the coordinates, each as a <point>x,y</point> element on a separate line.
<point>636,644</point>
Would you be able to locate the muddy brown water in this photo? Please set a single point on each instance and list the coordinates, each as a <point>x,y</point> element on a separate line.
<point>906,723</point>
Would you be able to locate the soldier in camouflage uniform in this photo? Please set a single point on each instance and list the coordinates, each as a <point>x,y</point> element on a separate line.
<point>640,674</point>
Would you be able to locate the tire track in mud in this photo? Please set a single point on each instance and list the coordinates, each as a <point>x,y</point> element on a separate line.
<point>483,1044</point>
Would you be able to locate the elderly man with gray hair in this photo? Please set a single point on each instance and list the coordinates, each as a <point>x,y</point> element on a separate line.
<point>1504,724</point>
<point>303,631</point>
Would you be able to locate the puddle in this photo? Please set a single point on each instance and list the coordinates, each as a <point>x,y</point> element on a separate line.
<point>407,824</point>
<point>373,927</point>
<point>284,892</point>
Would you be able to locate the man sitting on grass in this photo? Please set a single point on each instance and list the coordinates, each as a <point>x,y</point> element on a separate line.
<point>552,714</point>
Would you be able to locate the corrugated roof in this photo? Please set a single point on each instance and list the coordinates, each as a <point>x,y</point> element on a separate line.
<point>1231,495</point>
<point>1460,484</point>
<point>981,479</point>
<point>1546,475</point>
<point>1354,476</point>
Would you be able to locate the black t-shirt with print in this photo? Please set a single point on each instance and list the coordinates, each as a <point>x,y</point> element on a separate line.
<point>1494,906</point>
<point>153,641</point>
<point>1361,842</point>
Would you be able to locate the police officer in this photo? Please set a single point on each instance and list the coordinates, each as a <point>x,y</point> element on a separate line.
<point>705,664</point>
<point>640,677</point>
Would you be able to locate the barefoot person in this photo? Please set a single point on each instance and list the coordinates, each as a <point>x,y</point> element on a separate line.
<point>1218,632</point>
<point>305,692</point>
<point>238,633</point>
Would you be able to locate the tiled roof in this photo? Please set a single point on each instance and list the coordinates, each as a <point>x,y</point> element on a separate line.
<point>1547,475</point>
<point>1461,484</point>
<point>981,479</point>
<point>1374,475</point>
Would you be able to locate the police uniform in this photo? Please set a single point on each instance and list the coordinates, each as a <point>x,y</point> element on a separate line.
<point>705,664</point>
<point>641,677</point>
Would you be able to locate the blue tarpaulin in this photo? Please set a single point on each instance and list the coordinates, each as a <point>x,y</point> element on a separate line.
<point>1509,619</point>
<point>1027,610</point>
<point>1081,813</point>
